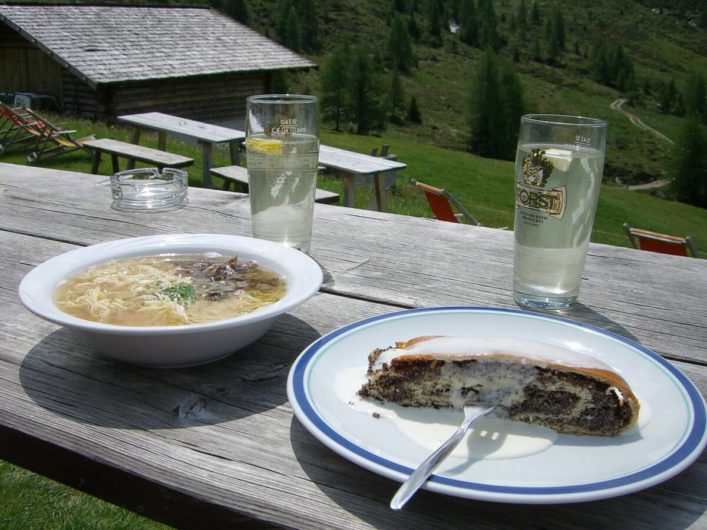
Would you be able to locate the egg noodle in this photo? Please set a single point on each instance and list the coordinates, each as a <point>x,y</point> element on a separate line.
<point>168,290</point>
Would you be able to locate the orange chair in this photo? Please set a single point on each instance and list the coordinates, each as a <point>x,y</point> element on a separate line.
<point>657,242</point>
<point>444,204</point>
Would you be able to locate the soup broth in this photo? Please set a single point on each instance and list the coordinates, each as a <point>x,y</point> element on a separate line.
<point>169,290</point>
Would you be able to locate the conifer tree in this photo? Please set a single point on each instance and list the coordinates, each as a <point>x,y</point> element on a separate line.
<point>558,28</point>
<point>667,98</point>
<point>513,109</point>
<point>282,11</point>
<point>307,13</point>
<point>488,25</point>
<point>556,35</point>
<point>535,14</point>
<point>413,115</point>
<point>601,69</point>
<point>694,96</point>
<point>334,85</point>
<point>496,105</point>
<point>435,12</point>
<point>469,25</point>
<point>485,105</point>
<point>537,57</point>
<point>236,9</point>
<point>690,183</point>
<point>522,16</point>
<point>400,52</point>
<point>400,6</point>
<point>395,100</point>
<point>293,31</point>
<point>364,92</point>
<point>413,28</point>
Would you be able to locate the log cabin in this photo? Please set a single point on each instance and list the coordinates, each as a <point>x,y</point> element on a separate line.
<point>101,61</point>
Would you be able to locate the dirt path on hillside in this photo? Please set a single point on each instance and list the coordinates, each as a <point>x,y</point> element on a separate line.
<point>618,107</point>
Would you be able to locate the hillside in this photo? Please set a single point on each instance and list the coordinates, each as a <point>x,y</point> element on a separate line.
<point>661,46</point>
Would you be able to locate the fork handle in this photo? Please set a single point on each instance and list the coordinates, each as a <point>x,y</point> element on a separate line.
<point>424,470</point>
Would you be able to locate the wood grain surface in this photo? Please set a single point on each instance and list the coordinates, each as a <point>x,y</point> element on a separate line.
<point>219,443</point>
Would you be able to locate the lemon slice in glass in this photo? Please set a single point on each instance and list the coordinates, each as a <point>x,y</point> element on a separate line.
<point>560,158</point>
<point>265,146</point>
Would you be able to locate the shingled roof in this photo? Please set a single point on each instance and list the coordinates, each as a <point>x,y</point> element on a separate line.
<point>108,44</point>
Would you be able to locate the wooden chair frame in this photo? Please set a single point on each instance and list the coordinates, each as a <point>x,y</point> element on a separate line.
<point>444,204</point>
<point>663,243</point>
<point>18,127</point>
<point>54,140</point>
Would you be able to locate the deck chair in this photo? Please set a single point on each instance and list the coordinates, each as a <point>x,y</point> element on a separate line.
<point>17,127</point>
<point>657,242</point>
<point>444,204</point>
<point>55,141</point>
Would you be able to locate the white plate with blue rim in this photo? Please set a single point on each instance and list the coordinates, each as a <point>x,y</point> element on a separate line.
<point>500,460</point>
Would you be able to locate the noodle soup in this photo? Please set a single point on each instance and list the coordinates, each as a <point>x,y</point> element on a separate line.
<point>169,290</point>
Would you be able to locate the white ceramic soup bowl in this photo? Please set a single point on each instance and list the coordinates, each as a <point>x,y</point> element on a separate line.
<point>182,345</point>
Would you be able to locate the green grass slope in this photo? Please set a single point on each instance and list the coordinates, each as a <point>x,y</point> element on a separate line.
<point>661,47</point>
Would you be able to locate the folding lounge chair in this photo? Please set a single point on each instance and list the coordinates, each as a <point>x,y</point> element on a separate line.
<point>55,141</point>
<point>17,127</point>
<point>444,204</point>
<point>657,242</point>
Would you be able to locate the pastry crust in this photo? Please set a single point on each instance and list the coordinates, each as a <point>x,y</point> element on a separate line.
<point>538,383</point>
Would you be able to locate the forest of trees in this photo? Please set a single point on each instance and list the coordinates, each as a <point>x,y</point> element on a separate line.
<point>354,77</point>
<point>362,87</point>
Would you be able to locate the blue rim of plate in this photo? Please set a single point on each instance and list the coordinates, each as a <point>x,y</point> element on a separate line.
<point>681,457</point>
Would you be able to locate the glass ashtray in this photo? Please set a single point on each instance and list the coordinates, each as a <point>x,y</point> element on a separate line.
<point>147,189</point>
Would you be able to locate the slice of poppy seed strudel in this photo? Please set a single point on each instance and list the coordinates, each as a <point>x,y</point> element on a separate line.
<point>538,383</point>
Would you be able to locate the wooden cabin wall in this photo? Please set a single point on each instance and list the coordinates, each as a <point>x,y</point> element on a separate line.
<point>24,68</point>
<point>214,99</point>
<point>78,96</point>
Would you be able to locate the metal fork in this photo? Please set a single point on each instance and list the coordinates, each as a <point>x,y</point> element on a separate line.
<point>424,470</point>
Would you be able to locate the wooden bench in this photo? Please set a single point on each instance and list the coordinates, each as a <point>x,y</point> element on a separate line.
<point>239,175</point>
<point>136,153</point>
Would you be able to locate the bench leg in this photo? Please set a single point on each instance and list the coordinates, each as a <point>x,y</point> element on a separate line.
<point>206,148</point>
<point>349,189</point>
<point>379,185</point>
<point>161,140</point>
<point>136,140</point>
<point>234,149</point>
<point>114,160</point>
<point>96,162</point>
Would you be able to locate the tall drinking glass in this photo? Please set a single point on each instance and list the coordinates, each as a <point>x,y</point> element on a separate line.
<point>558,174</point>
<point>282,150</point>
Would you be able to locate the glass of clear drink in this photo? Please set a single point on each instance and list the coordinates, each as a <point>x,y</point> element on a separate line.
<point>558,174</point>
<point>282,151</point>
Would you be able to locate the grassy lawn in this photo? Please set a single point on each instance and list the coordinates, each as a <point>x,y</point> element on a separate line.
<point>29,502</point>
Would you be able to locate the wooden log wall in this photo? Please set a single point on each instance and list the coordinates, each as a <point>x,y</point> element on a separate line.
<point>24,68</point>
<point>205,98</point>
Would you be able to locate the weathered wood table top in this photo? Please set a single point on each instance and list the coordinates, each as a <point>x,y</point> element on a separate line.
<point>206,134</point>
<point>349,165</point>
<point>217,445</point>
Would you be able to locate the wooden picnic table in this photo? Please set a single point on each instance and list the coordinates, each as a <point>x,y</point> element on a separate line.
<point>350,165</point>
<point>218,445</point>
<point>205,134</point>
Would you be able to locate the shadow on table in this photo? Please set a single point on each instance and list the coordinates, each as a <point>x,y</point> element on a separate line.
<point>94,390</point>
<point>584,314</point>
<point>366,495</point>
